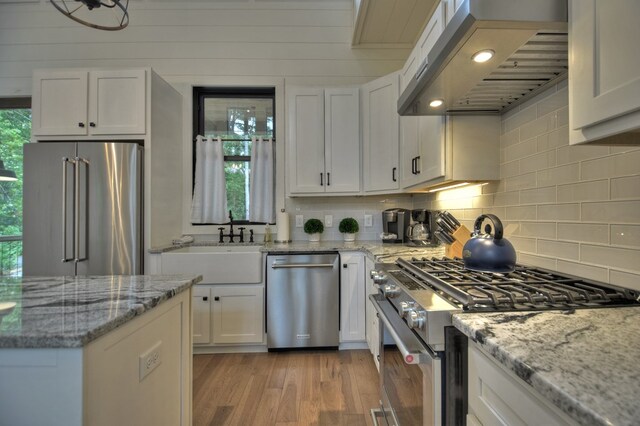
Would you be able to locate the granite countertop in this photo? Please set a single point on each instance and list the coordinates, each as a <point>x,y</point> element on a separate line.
<point>378,252</point>
<point>584,361</point>
<point>69,312</point>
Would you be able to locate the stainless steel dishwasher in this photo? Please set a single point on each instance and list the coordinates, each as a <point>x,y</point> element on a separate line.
<point>303,300</point>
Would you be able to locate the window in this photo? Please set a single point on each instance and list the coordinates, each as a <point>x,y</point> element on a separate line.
<point>235,115</point>
<point>15,131</point>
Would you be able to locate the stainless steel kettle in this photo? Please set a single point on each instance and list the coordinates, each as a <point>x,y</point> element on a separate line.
<point>486,252</point>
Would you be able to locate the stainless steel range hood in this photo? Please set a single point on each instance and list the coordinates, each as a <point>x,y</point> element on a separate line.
<point>529,39</point>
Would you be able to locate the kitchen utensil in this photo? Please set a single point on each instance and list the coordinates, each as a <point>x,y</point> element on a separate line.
<point>444,225</point>
<point>451,218</point>
<point>486,252</point>
<point>444,237</point>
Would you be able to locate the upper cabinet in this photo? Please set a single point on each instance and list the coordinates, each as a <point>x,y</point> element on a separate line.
<point>323,140</point>
<point>604,71</point>
<point>450,8</point>
<point>430,35</point>
<point>89,103</point>
<point>422,148</point>
<point>380,134</point>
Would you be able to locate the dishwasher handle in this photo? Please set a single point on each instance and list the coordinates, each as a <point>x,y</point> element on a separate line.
<point>301,265</point>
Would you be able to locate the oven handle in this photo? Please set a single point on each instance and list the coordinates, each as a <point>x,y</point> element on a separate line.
<point>412,349</point>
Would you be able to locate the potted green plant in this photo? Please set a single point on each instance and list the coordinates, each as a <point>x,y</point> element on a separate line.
<point>349,226</point>
<point>313,227</point>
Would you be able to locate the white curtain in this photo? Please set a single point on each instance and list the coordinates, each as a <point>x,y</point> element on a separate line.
<point>261,208</point>
<point>209,203</point>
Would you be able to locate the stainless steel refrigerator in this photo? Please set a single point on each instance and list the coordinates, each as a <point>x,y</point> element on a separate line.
<point>83,208</point>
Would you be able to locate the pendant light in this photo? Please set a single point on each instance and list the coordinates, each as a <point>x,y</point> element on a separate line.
<point>108,15</point>
<point>6,175</point>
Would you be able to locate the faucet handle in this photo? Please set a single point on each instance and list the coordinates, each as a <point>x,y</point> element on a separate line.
<point>250,235</point>
<point>241,228</point>
<point>221,233</point>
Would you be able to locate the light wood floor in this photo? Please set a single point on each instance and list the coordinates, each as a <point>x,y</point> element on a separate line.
<point>285,388</point>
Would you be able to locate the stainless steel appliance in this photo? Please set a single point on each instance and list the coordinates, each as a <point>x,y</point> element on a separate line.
<point>83,208</point>
<point>420,233</point>
<point>395,223</point>
<point>303,300</point>
<point>416,301</point>
<point>512,30</point>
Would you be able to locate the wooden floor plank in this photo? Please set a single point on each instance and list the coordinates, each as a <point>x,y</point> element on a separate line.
<point>285,388</point>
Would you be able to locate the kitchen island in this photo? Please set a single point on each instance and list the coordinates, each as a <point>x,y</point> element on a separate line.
<point>582,361</point>
<point>96,350</point>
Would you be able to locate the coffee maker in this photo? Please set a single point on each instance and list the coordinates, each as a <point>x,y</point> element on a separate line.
<point>395,223</point>
<point>420,233</point>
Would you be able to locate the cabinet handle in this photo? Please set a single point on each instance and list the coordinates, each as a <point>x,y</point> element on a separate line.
<point>321,183</point>
<point>328,179</point>
<point>217,298</point>
<point>417,169</point>
<point>92,124</point>
<point>344,265</point>
<point>413,166</point>
<point>205,298</point>
<point>393,174</point>
<point>81,124</point>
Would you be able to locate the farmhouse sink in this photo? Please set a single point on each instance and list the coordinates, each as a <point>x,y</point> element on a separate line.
<point>241,264</point>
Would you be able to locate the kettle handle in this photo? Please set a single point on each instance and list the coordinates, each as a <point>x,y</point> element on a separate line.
<point>498,230</point>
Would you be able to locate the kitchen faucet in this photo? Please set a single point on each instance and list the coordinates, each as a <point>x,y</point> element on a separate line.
<point>230,234</point>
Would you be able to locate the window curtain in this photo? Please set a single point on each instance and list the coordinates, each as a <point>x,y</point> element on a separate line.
<point>209,204</point>
<point>261,181</point>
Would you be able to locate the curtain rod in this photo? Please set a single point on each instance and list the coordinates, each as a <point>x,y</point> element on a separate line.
<point>239,140</point>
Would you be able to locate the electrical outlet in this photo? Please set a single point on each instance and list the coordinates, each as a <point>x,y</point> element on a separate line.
<point>328,220</point>
<point>150,360</point>
<point>368,220</point>
<point>299,221</point>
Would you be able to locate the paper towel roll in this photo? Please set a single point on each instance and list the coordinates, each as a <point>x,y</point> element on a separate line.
<point>283,227</point>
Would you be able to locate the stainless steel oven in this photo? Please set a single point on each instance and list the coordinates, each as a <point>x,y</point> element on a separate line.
<point>410,372</point>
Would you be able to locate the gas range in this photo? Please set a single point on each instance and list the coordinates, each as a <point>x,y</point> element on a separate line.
<point>426,292</point>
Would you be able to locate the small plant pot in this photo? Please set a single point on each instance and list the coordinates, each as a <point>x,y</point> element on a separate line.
<point>314,238</point>
<point>349,237</point>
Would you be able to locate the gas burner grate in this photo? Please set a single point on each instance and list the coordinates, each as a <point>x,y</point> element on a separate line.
<point>524,288</point>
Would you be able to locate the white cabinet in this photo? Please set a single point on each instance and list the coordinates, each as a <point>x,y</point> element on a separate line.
<point>83,102</point>
<point>352,297</point>
<point>409,69</point>
<point>498,397</point>
<point>451,6</point>
<point>237,314</point>
<point>324,140</point>
<point>201,308</point>
<point>422,148</point>
<point>380,134</point>
<point>430,35</point>
<point>373,330</point>
<point>604,69</point>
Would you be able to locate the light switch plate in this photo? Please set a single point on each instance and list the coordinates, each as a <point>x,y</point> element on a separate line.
<point>368,220</point>
<point>328,220</point>
<point>299,221</point>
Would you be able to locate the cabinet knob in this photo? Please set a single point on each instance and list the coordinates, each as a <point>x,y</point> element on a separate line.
<point>92,124</point>
<point>205,298</point>
<point>81,124</point>
<point>217,298</point>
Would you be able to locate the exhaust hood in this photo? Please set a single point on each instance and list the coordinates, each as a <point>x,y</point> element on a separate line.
<point>528,40</point>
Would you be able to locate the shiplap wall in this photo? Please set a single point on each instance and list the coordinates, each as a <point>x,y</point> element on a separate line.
<point>574,209</point>
<point>304,42</point>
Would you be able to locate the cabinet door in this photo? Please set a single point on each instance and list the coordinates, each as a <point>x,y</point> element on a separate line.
<point>117,102</point>
<point>237,314</point>
<point>342,140</point>
<point>451,6</point>
<point>59,104</point>
<point>430,35</point>
<point>352,298</point>
<point>409,150</point>
<point>201,308</point>
<point>372,330</point>
<point>305,115</point>
<point>604,80</point>
<point>431,161</point>
<point>380,133</point>
<point>409,70</point>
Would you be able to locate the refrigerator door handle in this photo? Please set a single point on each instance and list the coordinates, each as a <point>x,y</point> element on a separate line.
<point>65,162</point>
<point>77,259</point>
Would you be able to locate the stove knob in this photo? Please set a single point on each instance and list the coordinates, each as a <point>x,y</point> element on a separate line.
<point>373,273</point>
<point>380,278</point>
<point>390,290</point>
<point>406,307</point>
<point>416,319</point>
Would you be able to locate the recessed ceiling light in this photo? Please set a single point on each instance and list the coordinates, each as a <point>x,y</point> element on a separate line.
<point>436,103</point>
<point>483,55</point>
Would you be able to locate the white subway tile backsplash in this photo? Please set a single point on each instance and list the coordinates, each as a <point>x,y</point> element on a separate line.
<point>596,190</point>
<point>576,153</point>
<point>537,229</point>
<point>553,102</point>
<point>521,182</point>
<point>536,162</point>
<point>538,195</point>
<point>583,270</point>
<point>624,279</point>
<point>539,261</point>
<point>469,214</point>
<point>559,212</point>
<point>521,213</point>
<point>626,235</point>
<point>510,138</point>
<point>612,212</point>
<point>555,139</point>
<point>521,150</point>
<point>558,175</point>
<point>625,188</point>
<point>523,116</point>
<point>621,258</point>
<point>506,198</point>
<point>539,126</point>
<point>562,117</point>
<point>559,249</point>
<point>584,232</point>
<point>509,169</point>
<point>523,244</point>
<point>624,164</point>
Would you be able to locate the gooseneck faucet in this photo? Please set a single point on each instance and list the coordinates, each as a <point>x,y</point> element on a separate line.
<point>230,234</point>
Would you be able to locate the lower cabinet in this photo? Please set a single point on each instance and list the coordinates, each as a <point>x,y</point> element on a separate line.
<point>228,314</point>
<point>372,327</point>
<point>498,397</point>
<point>352,298</point>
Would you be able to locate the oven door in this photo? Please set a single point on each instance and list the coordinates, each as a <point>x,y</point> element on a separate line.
<point>410,373</point>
